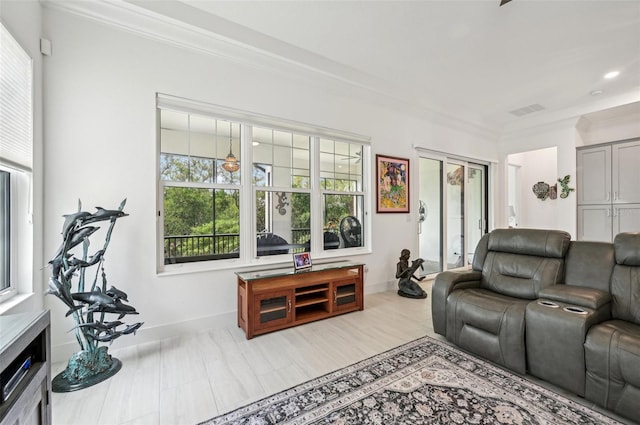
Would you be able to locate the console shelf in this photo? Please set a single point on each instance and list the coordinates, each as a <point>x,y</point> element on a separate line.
<point>270,300</point>
<point>25,361</point>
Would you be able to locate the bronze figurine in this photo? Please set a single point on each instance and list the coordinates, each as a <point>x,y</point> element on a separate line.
<point>407,287</point>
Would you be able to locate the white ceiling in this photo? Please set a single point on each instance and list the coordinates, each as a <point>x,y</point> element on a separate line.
<point>471,59</point>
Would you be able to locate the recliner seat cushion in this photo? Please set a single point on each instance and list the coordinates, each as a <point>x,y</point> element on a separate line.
<point>488,324</point>
<point>612,357</point>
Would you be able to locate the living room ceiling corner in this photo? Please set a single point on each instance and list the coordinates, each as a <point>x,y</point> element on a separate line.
<point>466,63</point>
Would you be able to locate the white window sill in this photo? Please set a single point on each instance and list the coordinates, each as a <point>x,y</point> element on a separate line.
<point>13,302</point>
<point>267,261</point>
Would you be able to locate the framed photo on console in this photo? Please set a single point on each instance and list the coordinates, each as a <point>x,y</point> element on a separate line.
<point>301,261</point>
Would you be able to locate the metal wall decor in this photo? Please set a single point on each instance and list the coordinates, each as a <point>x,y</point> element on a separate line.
<point>282,202</point>
<point>564,184</point>
<point>544,190</point>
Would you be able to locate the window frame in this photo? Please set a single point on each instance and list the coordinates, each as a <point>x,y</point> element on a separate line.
<point>17,99</point>
<point>7,286</point>
<point>248,250</point>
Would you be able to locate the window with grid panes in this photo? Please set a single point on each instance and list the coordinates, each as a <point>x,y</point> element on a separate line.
<point>16,162</point>
<point>297,186</point>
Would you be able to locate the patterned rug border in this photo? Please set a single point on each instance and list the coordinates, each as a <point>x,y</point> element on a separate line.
<point>442,348</point>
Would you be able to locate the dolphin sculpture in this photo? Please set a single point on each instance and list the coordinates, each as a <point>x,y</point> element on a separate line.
<point>99,327</point>
<point>103,214</point>
<point>96,299</point>
<point>77,263</point>
<point>70,220</point>
<point>117,294</point>
<point>132,328</point>
<point>56,288</point>
<point>92,260</point>
<point>58,262</point>
<point>119,308</point>
<point>78,235</point>
<point>109,337</point>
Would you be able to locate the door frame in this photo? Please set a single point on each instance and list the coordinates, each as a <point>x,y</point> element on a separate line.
<point>466,163</point>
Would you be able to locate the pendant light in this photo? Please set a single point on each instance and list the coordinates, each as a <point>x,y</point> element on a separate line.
<point>231,163</point>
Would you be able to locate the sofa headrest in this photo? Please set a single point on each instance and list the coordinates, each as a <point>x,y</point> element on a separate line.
<point>589,264</point>
<point>627,246</point>
<point>542,243</point>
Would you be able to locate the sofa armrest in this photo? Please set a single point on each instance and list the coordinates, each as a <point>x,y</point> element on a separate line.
<point>576,295</point>
<point>443,285</point>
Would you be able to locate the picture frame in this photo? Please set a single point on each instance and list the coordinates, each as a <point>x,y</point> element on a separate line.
<point>301,261</point>
<point>392,184</point>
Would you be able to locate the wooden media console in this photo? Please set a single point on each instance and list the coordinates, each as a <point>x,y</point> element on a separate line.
<point>270,300</point>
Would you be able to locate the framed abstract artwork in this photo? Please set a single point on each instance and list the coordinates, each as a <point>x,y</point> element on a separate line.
<point>392,184</point>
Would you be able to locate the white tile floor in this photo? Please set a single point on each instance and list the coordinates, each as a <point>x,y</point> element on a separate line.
<point>192,378</point>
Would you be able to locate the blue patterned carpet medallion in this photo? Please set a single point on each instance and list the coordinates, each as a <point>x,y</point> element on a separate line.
<point>422,382</point>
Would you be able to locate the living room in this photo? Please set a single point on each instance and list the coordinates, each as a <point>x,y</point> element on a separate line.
<point>99,71</point>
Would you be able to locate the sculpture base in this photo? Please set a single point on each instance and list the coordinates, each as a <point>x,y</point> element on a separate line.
<point>85,370</point>
<point>415,296</point>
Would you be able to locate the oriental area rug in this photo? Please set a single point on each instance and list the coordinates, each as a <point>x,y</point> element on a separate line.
<point>422,382</point>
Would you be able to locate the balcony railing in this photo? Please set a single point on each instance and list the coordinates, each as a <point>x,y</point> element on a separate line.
<point>189,248</point>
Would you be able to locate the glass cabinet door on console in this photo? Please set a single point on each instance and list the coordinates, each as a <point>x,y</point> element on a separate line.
<point>345,295</point>
<point>273,309</point>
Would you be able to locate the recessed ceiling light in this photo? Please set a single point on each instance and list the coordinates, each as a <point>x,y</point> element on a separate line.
<point>612,74</point>
<point>596,92</point>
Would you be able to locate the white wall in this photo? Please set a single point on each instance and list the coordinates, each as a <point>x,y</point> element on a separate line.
<point>23,20</point>
<point>100,146</point>
<point>535,166</point>
<point>562,136</point>
<point>608,125</point>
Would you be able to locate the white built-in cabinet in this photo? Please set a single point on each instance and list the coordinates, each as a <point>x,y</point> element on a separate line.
<point>608,189</point>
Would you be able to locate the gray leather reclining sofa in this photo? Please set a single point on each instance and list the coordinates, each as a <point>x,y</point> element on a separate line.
<point>564,311</point>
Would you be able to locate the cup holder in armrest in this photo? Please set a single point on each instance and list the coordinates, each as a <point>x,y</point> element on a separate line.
<point>548,303</point>
<point>576,310</point>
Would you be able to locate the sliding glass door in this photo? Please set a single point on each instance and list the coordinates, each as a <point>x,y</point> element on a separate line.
<point>430,215</point>
<point>452,211</point>
<point>476,207</point>
<point>455,214</point>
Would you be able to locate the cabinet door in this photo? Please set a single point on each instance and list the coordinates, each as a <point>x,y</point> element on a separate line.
<point>346,295</point>
<point>626,218</point>
<point>594,175</point>
<point>626,172</point>
<point>272,309</point>
<point>595,223</point>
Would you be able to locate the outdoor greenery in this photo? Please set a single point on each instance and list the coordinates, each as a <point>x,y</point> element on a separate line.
<point>214,214</point>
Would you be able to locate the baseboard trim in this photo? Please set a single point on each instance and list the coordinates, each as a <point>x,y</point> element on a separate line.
<point>62,352</point>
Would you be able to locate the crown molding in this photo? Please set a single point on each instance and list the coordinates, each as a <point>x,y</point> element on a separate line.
<point>185,27</point>
<point>574,113</point>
